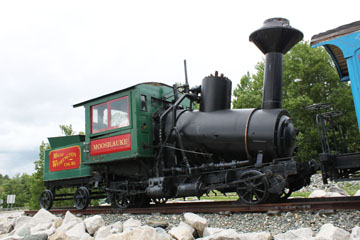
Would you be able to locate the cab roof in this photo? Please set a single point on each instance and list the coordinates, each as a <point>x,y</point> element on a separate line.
<point>157,84</point>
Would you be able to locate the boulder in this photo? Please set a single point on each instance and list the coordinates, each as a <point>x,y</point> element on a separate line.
<point>139,233</point>
<point>211,231</point>
<point>255,236</point>
<point>102,232</point>
<point>299,234</point>
<point>355,233</point>
<point>20,224</point>
<point>86,236</point>
<point>6,224</point>
<point>330,232</point>
<point>69,221</point>
<point>76,231</point>
<point>106,231</point>
<point>228,234</point>
<point>42,236</point>
<point>337,189</point>
<point>162,234</point>
<point>334,194</point>
<point>192,230</point>
<point>131,223</point>
<point>93,223</point>
<point>59,235</point>
<point>116,227</point>
<point>69,217</point>
<point>181,233</point>
<point>43,228</point>
<point>11,237</point>
<point>317,194</point>
<point>41,217</point>
<point>197,222</point>
<point>157,224</point>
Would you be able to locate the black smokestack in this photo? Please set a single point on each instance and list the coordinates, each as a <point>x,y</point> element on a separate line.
<point>274,39</point>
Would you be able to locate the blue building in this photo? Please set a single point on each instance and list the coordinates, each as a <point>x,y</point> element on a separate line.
<point>343,45</point>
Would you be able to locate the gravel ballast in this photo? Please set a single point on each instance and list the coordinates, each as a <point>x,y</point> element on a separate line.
<point>274,223</point>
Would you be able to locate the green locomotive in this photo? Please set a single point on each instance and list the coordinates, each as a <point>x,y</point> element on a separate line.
<point>147,143</point>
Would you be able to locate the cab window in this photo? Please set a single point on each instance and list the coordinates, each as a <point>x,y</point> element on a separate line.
<point>110,115</point>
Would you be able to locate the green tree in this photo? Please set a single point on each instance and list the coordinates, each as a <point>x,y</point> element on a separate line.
<point>19,186</point>
<point>309,77</point>
<point>36,182</point>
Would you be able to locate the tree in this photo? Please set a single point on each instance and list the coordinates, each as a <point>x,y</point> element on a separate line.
<point>309,77</point>
<point>36,182</point>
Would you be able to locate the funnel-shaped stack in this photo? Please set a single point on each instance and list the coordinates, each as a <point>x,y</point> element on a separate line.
<point>274,39</point>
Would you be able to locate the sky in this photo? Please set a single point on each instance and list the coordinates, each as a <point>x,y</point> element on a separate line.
<point>54,54</point>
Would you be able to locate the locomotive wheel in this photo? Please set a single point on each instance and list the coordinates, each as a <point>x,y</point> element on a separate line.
<point>122,201</point>
<point>286,194</point>
<point>159,200</point>
<point>253,188</point>
<point>46,199</point>
<point>81,198</point>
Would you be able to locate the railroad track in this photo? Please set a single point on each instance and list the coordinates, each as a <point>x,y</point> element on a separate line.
<point>314,204</point>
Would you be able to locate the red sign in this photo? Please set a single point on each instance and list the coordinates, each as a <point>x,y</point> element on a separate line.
<point>64,159</point>
<point>111,144</point>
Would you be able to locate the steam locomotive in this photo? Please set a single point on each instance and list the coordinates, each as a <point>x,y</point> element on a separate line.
<point>146,143</point>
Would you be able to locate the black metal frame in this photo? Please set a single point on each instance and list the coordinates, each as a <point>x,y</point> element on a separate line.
<point>336,163</point>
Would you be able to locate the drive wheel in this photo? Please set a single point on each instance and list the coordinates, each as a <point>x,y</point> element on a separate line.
<point>81,198</point>
<point>46,199</point>
<point>253,187</point>
<point>286,194</point>
<point>159,201</point>
<point>122,201</point>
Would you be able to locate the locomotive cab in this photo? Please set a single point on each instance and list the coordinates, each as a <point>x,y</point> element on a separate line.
<point>119,125</point>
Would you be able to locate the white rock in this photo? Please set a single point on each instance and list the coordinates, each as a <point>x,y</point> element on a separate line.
<point>86,236</point>
<point>228,234</point>
<point>337,189</point>
<point>357,194</point>
<point>255,236</point>
<point>334,194</point>
<point>6,225</point>
<point>43,228</point>
<point>181,233</point>
<point>131,223</point>
<point>330,232</point>
<point>116,227</point>
<point>355,233</point>
<point>69,217</point>
<point>42,216</point>
<point>103,232</point>
<point>139,233</point>
<point>162,234</point>
<point>299,234</point>
<point>211,231</point>
<point>70,220</point>
<point>76,232</point>
<point>93,223</point>
<point>20,223</point>
<point>11,237</point>
<point>317,194</point>
<point>59,235</point>
<point>192,230</point>
<point>40,227</point>
<point>197,222</point>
